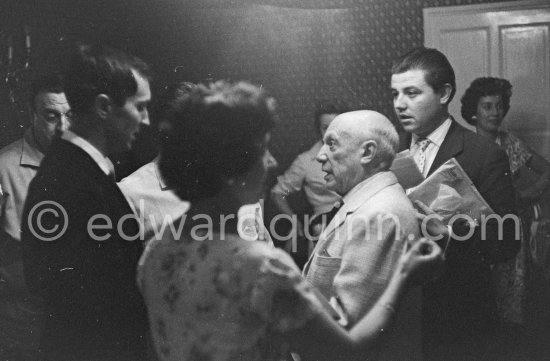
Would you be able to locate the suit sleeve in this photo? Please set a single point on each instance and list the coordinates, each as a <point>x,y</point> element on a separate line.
<point>370,255</point>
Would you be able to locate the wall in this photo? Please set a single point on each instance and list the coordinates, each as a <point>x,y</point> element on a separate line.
<point>301,51</point>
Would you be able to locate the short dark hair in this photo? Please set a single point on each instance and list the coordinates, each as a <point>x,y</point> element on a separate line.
<point>172,93</point>
<point>482,87</point>
<point>166,105</point>
<point>50,82</point>
<point>99,69</point>
<point>213,134</point>
<point>438,70</point>
<point>325,106</point>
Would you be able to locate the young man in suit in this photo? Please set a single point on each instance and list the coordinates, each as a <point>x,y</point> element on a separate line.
<point>458,309</point>
<point>358,251</point>
<point>78,231</point>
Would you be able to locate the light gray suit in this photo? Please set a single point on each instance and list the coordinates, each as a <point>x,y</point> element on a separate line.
<point>357,253</point>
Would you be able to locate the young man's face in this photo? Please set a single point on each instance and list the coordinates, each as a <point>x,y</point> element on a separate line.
<point>129,116</point>
<point>418,107</point>
<point>50,116</point>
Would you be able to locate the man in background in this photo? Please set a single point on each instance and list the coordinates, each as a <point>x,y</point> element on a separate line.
<point>21,313</point>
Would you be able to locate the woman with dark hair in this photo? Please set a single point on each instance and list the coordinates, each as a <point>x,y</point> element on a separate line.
<point>212,295</point>
<point>484,105</point>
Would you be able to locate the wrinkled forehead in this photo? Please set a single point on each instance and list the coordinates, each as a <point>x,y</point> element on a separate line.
<point>50,100</point>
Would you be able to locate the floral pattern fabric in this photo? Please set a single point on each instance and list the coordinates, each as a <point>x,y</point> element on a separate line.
<point>511,276</point>
<point>223,300</point>
<point>518,152</point>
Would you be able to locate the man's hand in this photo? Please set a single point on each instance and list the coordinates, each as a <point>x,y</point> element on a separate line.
<point>431,224</point>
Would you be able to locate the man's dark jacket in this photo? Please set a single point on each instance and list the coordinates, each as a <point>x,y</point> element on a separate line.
<point>459,309</point>
<point>94,309</point>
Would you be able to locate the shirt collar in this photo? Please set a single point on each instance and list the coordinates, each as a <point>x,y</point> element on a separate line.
<point>366,189</point>
<point>161,181</point>
<point>30,155</point>
<point>437,136</point>
<point>103,162</point>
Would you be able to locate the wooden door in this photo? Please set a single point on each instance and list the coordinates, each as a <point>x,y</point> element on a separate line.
<point>508,40</point>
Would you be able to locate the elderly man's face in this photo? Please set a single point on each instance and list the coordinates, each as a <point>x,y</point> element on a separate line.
<point>51,115</point>
<point>340,157</point>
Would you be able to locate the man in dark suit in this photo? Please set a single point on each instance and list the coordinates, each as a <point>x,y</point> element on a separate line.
<point>459,309</point>
<point>78,232</point>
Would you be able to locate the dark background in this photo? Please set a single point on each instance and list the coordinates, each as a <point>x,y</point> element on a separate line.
<point>300,50</point>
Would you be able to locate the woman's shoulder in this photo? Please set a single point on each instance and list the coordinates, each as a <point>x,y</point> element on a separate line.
<point>510,139</point>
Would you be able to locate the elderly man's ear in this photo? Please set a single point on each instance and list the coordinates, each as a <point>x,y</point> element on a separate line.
<point>369,149</point>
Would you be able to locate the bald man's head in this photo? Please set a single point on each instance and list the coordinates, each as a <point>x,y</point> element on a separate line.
<point>363,125</point>
<point>357,145</point>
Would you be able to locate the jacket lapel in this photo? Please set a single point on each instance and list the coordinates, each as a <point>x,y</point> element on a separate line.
<point>452,145</point>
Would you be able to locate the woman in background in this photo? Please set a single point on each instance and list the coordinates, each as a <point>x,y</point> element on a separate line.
<point>484,105</point>
<point>214,296</point>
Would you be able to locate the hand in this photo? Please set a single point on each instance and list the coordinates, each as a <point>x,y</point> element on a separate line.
<point>421,263</point>
<point>431,224</point>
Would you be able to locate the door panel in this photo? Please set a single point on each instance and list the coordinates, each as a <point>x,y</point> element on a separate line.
<point>508,40</point>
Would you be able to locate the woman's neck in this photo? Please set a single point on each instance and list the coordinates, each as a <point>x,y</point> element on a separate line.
<point>217,214</point>
<point>487,134</point>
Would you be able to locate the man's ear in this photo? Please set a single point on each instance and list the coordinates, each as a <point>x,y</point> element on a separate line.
<point>369,149</point>
<point>446,93</point>
<point>103,105</point>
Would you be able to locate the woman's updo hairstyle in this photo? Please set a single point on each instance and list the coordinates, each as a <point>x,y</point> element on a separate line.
<point>213,133</point>
<point>482,87</point>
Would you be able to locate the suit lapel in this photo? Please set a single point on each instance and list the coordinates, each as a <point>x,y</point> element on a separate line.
<point>452,145</point>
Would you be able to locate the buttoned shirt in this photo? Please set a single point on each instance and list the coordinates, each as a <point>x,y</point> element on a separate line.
<point>20,312</point>
<point>19,162</point>
<point>436,138</point>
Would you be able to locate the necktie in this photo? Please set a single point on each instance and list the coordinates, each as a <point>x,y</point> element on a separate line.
<point>420,153</point>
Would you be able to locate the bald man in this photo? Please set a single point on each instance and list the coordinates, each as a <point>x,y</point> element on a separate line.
<point>358,251</point>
